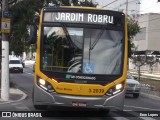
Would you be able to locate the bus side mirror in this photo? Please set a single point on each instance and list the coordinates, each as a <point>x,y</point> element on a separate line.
<point>33,29</point>
<point>33,34</point>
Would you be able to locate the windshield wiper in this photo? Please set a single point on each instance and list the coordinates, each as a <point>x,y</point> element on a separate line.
<point>68,36</point>
<point>96,40</point>
<point>91,46</point>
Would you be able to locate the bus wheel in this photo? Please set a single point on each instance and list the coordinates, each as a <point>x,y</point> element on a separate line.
<point>40,107</point>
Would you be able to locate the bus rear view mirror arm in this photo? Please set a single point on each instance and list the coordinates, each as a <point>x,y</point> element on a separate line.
<point>33,34</point>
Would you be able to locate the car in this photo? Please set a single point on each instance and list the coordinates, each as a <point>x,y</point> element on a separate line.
<point>15,65</point>
<point>132,86</point>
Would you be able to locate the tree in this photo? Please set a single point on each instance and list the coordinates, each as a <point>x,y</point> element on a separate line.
<point>87,3</point>
<point>23,13</point>
<point>133,29</point>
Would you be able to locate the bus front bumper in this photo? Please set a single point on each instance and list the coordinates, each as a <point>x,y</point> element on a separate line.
<point>42,97</point>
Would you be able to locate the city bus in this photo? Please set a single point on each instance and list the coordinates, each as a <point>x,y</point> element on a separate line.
<point>81,58</point>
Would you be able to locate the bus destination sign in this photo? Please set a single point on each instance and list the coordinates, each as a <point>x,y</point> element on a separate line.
<point>87,18</point>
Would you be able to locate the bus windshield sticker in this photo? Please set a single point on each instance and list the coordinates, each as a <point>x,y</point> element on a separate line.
<point>88,68</point>
<point>69,76</point>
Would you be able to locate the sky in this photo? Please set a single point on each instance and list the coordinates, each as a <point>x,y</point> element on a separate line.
<point>146,6</point>
<point>150,6</point>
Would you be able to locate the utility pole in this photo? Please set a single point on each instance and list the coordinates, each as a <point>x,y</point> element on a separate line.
<point>5,53</point>
<point>127,33</point>
<point>126,8</point>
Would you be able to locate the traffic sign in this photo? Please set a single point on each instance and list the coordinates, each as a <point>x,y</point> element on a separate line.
<point>6,24</point>
<point>7,14</point>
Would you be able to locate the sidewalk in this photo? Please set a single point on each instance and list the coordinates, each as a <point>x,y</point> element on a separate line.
<point>15,95</point>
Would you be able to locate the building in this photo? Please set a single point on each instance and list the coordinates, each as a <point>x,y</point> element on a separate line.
<point>148,40</point>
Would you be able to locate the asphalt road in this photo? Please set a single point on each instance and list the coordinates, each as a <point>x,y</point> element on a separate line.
<point>133,108</point>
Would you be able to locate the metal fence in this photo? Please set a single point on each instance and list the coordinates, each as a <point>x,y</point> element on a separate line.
<point>148,89</point>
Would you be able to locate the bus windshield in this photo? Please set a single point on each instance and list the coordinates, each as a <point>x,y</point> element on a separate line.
<point>82,50</point>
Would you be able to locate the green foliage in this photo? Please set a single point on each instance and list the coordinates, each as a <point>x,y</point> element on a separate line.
<point>23,14</point>
<point>73,2</point>
<point>133,28</point>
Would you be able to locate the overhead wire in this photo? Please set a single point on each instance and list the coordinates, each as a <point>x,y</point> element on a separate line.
<point>134,1</point>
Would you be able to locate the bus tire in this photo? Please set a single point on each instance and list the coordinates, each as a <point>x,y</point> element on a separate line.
<point>40,107</point>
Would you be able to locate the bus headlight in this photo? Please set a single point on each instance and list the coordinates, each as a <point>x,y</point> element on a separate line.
<point>118,86</point>
<point>45,85</point>
<point>114,90</point>
<point>42,82</point>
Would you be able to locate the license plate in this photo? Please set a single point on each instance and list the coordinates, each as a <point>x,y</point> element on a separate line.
<point>79,104</point>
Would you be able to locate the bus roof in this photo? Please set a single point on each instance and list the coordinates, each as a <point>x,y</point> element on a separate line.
<point>83,7</point>
<point>80,7</point>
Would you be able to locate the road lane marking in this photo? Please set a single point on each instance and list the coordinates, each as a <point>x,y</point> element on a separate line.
<point>147,118</point>
<point>20,107</point>
<point>28,73</point>
<point>127,110</point>
<point>142,108</point>
<point>117,118</point>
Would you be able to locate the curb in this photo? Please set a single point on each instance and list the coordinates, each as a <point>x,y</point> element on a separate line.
<point>149,96</point>
<point>14,91</point>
